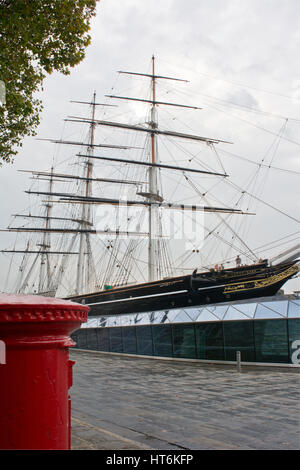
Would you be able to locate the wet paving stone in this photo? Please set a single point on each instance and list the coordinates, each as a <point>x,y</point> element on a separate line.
<point>133,403</point>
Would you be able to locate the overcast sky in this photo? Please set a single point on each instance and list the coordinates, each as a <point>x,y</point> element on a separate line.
<point>233,52</point>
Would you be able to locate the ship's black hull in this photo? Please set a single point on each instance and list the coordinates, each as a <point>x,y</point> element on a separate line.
<point>192,290</point>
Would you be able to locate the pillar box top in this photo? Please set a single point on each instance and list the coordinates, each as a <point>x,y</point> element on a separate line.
<point>39,322</point>
<point>35,308</point>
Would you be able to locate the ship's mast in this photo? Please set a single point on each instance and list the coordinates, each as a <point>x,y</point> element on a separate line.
<point>152,186</point>
<point>152,198</point>
<point>84,241</point>
<point>44,277</point>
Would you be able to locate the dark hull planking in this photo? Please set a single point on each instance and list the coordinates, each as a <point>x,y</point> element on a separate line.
<point>192,290</point>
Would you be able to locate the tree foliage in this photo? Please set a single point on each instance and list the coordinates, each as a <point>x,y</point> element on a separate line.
<point>36,38</point>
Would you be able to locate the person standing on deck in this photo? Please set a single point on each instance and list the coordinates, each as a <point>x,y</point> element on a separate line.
<point>238,261</point>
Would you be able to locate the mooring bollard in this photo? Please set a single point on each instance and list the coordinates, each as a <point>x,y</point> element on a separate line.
<point>238,361</point>
<point>36,375</point>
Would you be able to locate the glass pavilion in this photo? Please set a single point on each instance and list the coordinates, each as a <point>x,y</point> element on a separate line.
<point>265,330</point>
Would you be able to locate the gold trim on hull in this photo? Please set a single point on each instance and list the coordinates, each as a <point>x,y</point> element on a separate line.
<point>260,283</point>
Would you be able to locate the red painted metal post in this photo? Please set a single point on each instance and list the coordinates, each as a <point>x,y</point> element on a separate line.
<point>37,373</point>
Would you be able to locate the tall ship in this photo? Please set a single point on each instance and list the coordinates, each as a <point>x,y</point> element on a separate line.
<point>138,222</point>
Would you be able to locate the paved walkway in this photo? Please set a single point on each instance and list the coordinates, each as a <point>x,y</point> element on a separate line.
<point>124,403</point>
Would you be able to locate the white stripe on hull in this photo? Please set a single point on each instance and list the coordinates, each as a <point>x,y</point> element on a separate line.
<point>107,302</point>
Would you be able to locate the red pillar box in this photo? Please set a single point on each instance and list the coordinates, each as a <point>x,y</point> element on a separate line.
<point>35,371</point>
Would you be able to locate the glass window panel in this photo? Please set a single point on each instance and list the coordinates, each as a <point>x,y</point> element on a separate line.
<point>206,316</point>
<point>74,337</point>
<point>99,318</point>
<point>234,314</point>
<point>238,336</point>
<point>165,318</point>
<point>142,319</point>
<point>187,312</point>
<point>209,341</point>
<point>247,309</point>
<point>91,335</point>
<point>111,321</point>
<point>218,310</point>
<point>128,319</point>
<point>264,312</point>
<point>162,340</point>
<point>182,317</point>
<point>122,320</point>
<point>294,309</point>
<point>156,317</point>
<point>144,340</point>
<point>279,306</point>
<point>103,339</point>
<point>152,317</point>
<point>184,341</point>
<point>271,344</point>
<point>92,322</point>
<point>137,318</point>
<point>173,313</point>
<point>193,312</point>
<point>129,340</point>
<point>294,340</point>
<point>115,339</point>
<point>200,311</point>
<point>81,340</point>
